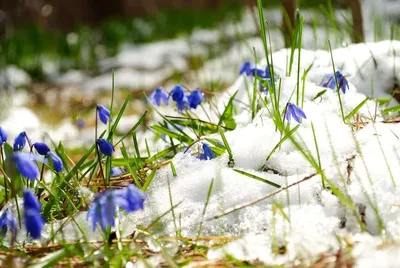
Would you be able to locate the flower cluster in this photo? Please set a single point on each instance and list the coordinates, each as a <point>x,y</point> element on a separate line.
<point>25,162</point>
<point>183,101</point>
<point>329,81</point>
<point>105,205</point>
<point>33,220</point>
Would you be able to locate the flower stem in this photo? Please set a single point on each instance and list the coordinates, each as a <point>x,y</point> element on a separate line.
<point>4,168</point>
<point>97,150</point>
<point>41,179</point>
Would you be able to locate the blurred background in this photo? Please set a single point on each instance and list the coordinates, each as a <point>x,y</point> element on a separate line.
<point>57,56</point>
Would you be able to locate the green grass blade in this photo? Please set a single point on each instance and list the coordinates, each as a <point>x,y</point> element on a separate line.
<point>257,178</point>
<point>355,110</point>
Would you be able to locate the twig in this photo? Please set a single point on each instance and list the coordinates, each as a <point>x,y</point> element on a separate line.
<point>250,203</point>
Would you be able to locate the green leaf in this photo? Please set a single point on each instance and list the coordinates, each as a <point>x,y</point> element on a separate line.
<point>353,113</point>
<point>161,154</point>
<point>78,165</point>
<point>49,260</point>
<point>171,134</point>
<point>227,115</point>
<point>149,179</point>
<point>228,148</point>
<point>141,119</point>
<point>257,178</point>
<point>391,109</point>
<point>125,155</point>
<point>320,94</point>
<point>119,116</point>
<point>287,135</point>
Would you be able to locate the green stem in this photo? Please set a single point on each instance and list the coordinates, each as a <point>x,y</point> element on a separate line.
<point>4,168</point>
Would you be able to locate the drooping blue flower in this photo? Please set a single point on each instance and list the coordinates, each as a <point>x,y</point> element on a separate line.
<point>105,147</point>
<point>31,201</point>
<point>329,81</point>
<point>56,160</point>
<point>3,136</point>
<point>295,111</point>
<point>158,95</point>
<point>177,93</point>
<point>20,142</point>
<point>207,153</point>
<point>26,165</point>
<point>103,113</point>
<point>33,220</point>
<point>245,68</point>
<point>103,210</point>
<point>260,73</point>
<point>41,148</point>
<point>182,104</point>
<point>7,222</point>
<point>130,199</point>
<point>195,98</point>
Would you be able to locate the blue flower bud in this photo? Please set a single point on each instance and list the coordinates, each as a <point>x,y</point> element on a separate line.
<point>41,148</point>
<point>56,160</point>
<point>105,147</point>
<point>3,136</point>
<point>177,93</point>
<point>195,98</point>
<point>20,142</point>
<point>103,113</point>
<point>33,220</point>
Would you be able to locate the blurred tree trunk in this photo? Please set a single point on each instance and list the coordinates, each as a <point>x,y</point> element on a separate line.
<point>358,29</point>
<point>288,15</point>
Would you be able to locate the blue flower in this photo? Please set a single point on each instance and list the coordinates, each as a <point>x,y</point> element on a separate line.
<point>158,95</point>
<point>329,81</point>
<point>195,98</point>
<point>20,141</point>
<point>245,68</point>
<point>130,199</point>
<point>182,104</point>
<point>56,160</point>
<point>105,205</point>
<point>295,111</point>
<point>177,93</point>
<point>116,171</point>
<point>33,220</point>
<point>80,123</point>
<point>260,73</point>
<point>105,147</point>
<point>104,113</point>
<point>7,221</point>
<point>41,148</point>
<point>103,210</point>
<point>25,165</point>
<point>3,136</point>
<point>207,153</point>
<point>31,201</point>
